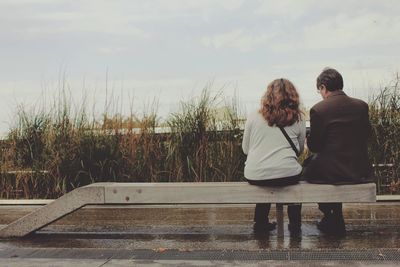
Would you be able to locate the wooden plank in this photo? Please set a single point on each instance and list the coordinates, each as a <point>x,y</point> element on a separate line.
<point>234,193</point>
<point>388,198</point>
<point>25,201</point>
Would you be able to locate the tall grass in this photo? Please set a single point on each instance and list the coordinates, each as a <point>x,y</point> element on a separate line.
<point>384,145</point>
<point>48,153</point>
<point>204,144</point>
<point>53,152</point>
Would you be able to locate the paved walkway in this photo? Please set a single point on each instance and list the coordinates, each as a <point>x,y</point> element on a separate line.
<point>201,236</point>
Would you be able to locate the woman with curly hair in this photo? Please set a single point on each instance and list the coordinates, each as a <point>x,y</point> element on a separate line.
<point>271,158</point>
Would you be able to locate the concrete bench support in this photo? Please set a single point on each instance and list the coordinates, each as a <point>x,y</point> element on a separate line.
<point>187,193</point>
<point>57,209</point>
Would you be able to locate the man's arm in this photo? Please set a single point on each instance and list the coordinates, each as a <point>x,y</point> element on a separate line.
<point>302,135</point>
<point>315,139</point>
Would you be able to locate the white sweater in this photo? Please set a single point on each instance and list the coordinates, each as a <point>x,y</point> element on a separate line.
<point>269,154</point>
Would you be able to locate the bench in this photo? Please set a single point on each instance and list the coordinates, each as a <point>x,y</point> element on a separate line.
<point>188,193</point>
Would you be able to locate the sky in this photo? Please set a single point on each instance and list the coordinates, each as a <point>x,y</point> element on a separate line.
<point>135,51</point>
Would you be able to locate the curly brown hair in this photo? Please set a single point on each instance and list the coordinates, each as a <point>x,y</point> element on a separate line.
<point>280,105</point>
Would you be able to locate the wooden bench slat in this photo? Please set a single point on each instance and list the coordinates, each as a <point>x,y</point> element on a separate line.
<point>235,193</point>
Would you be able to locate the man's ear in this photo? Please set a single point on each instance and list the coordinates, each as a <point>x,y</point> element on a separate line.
<point>324,92</point>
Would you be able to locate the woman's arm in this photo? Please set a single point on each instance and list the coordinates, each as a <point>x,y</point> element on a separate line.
<point>246,137</point>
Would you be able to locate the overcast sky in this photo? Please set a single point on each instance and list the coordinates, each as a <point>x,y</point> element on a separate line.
<point>171,49</point>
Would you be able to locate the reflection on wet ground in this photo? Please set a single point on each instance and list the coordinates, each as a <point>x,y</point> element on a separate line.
<point>205,228</point>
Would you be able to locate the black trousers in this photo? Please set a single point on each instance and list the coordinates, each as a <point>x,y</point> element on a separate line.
<point>262,209</point>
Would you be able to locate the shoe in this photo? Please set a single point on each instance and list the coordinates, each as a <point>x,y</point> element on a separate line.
<point>264,227</point>
<point>324,225</point>
<point>332,226</point>
<point>339,227</point>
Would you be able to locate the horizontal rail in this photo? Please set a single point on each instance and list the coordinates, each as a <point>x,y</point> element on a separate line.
<point>42,202</point>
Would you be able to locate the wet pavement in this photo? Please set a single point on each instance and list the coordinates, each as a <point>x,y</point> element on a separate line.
<point>181,233</point>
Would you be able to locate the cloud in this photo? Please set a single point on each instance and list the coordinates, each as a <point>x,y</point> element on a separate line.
<point>155,43</point>
<point>37,19</point>
<point>179,5</point>
<point>312,25</point>
<point>23,2</point>
<point>77,21</point>
<point>346,31</point>
<point>236,39</point>
<point>309,9</point>
<point>111,50</point>
<point>40,18</point>
<point>287,9</point>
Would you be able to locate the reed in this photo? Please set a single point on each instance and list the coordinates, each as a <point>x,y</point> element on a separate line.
<point>384,144</point>
<point>204,144</point>
<point>48,153</point>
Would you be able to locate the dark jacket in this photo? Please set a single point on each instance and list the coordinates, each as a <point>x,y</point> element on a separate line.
<point>339,134</point>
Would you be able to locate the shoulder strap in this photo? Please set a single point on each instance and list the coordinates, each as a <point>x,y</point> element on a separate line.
<point>290,141</point>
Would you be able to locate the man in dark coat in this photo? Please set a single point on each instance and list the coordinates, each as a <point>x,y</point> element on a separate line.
<point>339,131</point>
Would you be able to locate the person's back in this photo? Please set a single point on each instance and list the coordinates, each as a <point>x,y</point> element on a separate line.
<point>269,155</point>
<point>271,159</point>
<point>339,131</point>
<point>339,135</point>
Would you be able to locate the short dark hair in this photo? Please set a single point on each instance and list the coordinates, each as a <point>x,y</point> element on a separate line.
<point>331,78</point>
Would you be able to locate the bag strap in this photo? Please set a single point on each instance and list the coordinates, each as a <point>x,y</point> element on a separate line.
<point>290,141</point>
